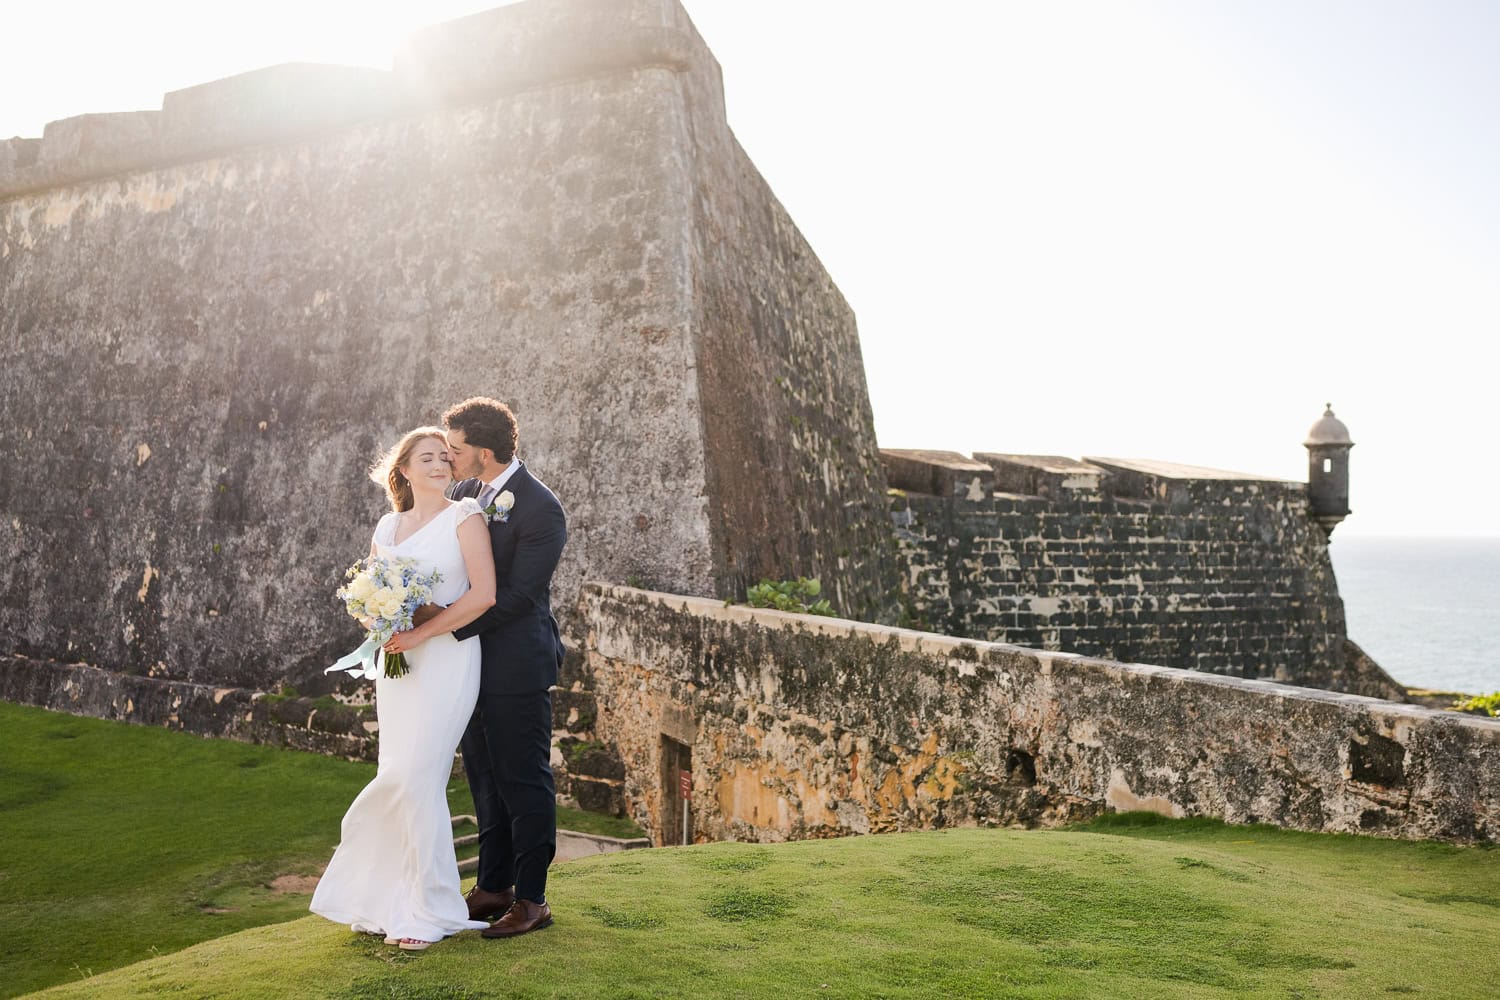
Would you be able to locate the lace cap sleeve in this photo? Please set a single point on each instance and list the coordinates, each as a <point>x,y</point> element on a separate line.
<point>385,528</point>
<point>464,509</point>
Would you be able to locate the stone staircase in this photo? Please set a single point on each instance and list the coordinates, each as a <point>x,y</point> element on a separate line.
<point>570,844</point>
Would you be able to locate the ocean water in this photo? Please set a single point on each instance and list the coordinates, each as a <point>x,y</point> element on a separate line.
<point>1426,609</point>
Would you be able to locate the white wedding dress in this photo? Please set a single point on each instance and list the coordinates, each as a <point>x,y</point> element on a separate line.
<point>395,870</point>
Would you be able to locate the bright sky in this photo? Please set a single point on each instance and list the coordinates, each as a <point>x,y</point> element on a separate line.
<point>1157,229</point>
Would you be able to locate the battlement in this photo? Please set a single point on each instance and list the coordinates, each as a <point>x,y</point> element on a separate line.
<point>1132,559</point>
<point>308,260</point>
<point>949,473</point>
<point>502,51</point>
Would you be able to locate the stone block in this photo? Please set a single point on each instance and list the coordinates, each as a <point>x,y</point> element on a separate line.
<point>17,154</point>
<point>92,137</point>
<point>1182,487</point>
<point>522,45</point>
<point>278,102</point>
<point>573,711</point>
<point>1359,674</point>
<point>1042,475</point>
<point>937,473</point>
<point>591,759</point>
<point>597,796</point>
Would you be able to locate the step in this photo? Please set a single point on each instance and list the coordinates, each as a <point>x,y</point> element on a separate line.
<point>571,845</point>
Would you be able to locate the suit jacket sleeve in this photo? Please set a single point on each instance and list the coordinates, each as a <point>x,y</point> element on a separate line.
<point>462,488</point>
<point>538,549</point>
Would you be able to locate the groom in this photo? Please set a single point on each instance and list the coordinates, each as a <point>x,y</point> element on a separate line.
<point>508,746</point>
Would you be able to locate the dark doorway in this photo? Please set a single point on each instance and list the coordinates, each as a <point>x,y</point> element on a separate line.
<point>676,793</point>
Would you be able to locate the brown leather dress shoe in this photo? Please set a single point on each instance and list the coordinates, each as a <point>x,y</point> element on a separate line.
<point>523,916</point>
<point>489,905</point>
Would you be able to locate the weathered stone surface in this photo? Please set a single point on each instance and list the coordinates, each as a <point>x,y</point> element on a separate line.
<point>594,795</point>
<point>572,845</point>
<point>574,712</point>
<point>1359,674</point>
<point>93,136</point>
<point>201,356</point>
<point>276,103</point>
<point>807,727</point>
<point>1157,563</point>
<point>222,712</point>
<point>17,153</point>
<point>516,46</point>
<point>940,473</point>
<point>1042,475</point>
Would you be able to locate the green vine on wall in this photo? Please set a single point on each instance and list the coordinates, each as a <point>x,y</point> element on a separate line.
<point>799,596</point>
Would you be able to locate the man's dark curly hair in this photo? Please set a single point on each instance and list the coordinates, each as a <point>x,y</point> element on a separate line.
<point>486,423</point>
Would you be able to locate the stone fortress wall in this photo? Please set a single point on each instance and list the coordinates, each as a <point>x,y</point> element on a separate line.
<point>1145,562</point>
<point>794,727</point>
<point>215,315</point>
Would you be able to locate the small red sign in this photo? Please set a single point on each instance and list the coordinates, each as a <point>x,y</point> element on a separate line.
<point>685,783</point>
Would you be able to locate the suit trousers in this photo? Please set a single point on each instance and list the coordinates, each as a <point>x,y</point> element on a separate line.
<point>507,750</point>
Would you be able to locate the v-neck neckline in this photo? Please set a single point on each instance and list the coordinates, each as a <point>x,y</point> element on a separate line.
<point>425,525</point>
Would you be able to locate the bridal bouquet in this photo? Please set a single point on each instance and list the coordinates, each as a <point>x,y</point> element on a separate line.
<point>382,594</point>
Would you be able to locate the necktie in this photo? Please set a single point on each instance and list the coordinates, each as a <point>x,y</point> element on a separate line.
<point>486,495</point>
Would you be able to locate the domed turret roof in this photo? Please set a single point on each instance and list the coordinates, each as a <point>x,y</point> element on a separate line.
<point>1329,430</point>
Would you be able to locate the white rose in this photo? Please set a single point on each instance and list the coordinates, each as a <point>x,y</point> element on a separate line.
<point>505,501</point>
<point>361,588</point>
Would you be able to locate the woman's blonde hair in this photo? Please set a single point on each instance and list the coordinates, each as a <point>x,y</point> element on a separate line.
<point>387,471</point>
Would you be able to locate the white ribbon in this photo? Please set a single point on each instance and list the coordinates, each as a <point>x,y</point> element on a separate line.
<point>368,660</point>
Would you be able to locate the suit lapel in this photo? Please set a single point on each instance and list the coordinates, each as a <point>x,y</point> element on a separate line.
<point>518,478</point>
<point>464,489</point>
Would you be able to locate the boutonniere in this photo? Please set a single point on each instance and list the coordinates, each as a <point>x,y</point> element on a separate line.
<point>499,508</point>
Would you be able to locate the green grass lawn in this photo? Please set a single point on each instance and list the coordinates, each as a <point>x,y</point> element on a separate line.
<point>1127,907</point>
<point>119,843</point>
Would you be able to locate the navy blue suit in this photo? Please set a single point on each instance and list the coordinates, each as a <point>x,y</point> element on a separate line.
<point>507,747</point>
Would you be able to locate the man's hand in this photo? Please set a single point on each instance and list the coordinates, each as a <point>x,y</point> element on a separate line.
<point>425,614</point>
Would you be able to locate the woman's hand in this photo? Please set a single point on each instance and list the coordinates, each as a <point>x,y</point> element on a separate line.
<point>405,642</point>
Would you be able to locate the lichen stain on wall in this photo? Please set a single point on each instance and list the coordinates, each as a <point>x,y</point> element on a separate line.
<point>750,794</point>
<point>145,193</point>
<point>1122,799</point>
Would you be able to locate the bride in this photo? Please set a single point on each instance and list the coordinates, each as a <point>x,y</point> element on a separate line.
<point>394,872</point>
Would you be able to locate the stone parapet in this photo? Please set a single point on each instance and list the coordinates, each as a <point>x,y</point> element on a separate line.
<point>275,104</point>
<point>804,727</point>
<point>222,712</point>
<point>1184,486</point>
<point>506,50</point>
<point>524,45</point>
<point>1228,574</point>
<point>1042,475</point>
<point>939,473</point>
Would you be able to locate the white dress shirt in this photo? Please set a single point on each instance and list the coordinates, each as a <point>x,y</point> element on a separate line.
<point>492,489</point>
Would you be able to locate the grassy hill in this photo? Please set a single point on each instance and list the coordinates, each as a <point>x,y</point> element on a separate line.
<point>118,842</point>
<point>1129,907</point>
